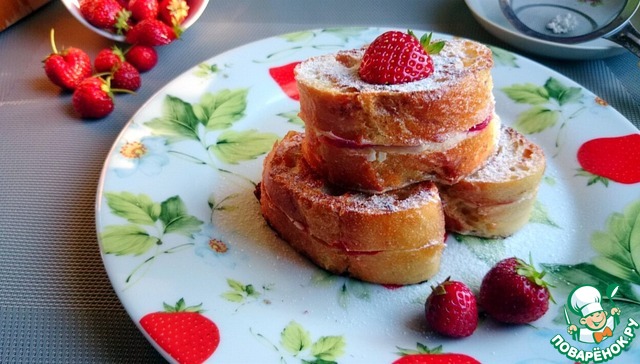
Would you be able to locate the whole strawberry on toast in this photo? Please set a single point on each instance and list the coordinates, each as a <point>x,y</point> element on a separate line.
<point>400,110</point>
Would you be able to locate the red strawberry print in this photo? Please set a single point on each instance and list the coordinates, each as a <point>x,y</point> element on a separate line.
<point>424,355</point>
<point>514,292</point>
<point>126,77</point>
<point>143,9</point>
<point>395,57</point>
<point>151,32</point>
<point>436,359</point>
<point>284,77</point>
<point>93,99</point>
<point>173,12</point>
<point>183,332</point>
<point>67,68</point>
<point>105,14</point>
<point>613,158</point>
<point>451,309</point>
<point>144,58</point>
<point>108,59</point>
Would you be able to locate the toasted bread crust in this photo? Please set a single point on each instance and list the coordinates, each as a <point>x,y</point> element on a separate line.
<point>497,200</point>
<point>384,267</point>
<point>378,169</point>
<point>351,232</point>
<point>456,97</point>
<point>402,219</point>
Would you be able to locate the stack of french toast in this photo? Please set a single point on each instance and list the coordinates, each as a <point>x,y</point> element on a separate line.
<point>383,171</point>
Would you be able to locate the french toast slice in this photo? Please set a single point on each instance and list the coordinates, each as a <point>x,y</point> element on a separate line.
<point>381,168</point>
<point>394,238</point>
<point>497,200</point>
<point>455,98</point>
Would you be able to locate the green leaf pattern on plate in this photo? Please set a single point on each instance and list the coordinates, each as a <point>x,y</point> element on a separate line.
<point>149,222</point>
<point>234,147</point>
<point>619,244</point>
<point>503,57</point>
<point>548,106</point>
<point>296,340</point>
<point>240,292</point>
<point>347,288</point>
<point>303,40</point>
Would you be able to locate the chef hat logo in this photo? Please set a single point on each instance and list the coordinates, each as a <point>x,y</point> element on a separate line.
<point>585,300</point>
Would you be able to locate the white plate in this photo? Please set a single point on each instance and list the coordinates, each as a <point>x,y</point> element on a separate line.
<point>177,217</point>
<point>489,15</point>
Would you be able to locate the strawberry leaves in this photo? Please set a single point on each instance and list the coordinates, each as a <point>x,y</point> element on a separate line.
<point>220,110</point>
<point>548,106</point>
<point>237,146</point>
<point>127,240</point>
<point>239,292</point>
<point>176,219</point>
<point>178,121</point>
<point>617,262</point>
<point>430,47</point>
<point>147,224</point>
<point>296,340</point>
<point>184,121</point>
<point>619,244</point>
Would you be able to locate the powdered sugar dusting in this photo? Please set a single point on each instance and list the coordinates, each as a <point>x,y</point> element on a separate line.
<point>410,198</point>
<point>515,157</point>
<point>341,70</point>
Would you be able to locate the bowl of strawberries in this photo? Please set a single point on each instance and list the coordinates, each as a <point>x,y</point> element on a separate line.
<point>148,22</point>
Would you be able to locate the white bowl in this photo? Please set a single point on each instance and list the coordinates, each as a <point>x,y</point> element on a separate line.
<point>490,17</point>
<point>196,8</point>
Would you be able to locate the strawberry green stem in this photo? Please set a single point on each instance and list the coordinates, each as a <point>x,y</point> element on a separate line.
<point>149,260</point>
<point>238,175</point>
<point>53,42</point>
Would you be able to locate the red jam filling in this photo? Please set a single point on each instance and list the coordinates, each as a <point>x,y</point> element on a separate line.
<point>339,142</point>
<point>482,125</point>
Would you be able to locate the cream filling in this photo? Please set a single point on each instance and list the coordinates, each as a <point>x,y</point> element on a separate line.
<point>379,152</point>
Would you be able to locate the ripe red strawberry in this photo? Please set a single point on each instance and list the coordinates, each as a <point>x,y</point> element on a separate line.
<point>283,75</point>
<point>93,98</point>
<point>68,68</point>
<point>108,59</point>
<point>615,158</point>
<point>395,57</point>
<point>424,355</point>
<point>143,9</point>
<point>144,58</point>
<point>183,332</point>
<point>451,309</point>
<point>436,359</point>
<point>105,14</point>
<point>514,292</point>
<point>173,12</point>
<point>126,77</point>
<point>151,32</point>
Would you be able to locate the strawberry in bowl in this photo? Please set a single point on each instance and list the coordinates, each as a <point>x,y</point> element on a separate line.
<point>113,19</point>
